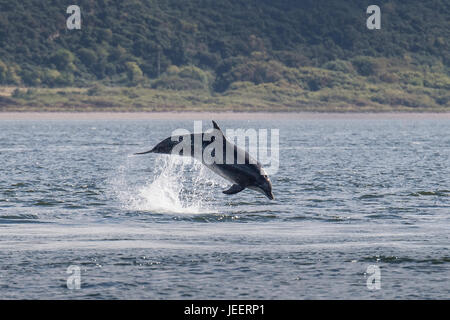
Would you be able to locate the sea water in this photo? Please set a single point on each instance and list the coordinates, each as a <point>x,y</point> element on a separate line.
<point>352,196</point>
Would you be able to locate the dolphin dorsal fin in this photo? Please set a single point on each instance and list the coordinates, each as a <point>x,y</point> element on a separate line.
<point>216,126</point>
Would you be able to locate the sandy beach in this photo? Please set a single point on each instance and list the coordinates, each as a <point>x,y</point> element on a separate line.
<point>219,116</point>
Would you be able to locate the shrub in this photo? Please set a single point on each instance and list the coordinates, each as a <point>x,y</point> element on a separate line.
<point>183,78</point>
<point>389,77</point>
<point>63,59</point>
<point>340,65</point>
<point>365,66</point>
<point>134,73</point>
<point>3,72</point>
<point>17,93</point>
<point>412,77</point>
<point>31,77</point>
<point>130,93</point>
<point>87,56</point>
<point>254,71</point>
<point>51,76</point>
<point>96,90</point>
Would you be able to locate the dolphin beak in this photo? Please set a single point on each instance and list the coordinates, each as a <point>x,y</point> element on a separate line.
<point>270,195</point>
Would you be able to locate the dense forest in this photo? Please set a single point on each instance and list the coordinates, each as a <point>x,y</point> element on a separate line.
<point>265,52</point>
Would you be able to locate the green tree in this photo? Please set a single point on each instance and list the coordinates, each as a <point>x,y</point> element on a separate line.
<point>63,59</point>
<point>3,72</point>
<point>87,56</point>
<point>134,73</point>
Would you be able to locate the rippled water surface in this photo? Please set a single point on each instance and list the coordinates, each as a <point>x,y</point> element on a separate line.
<point>349,194</point>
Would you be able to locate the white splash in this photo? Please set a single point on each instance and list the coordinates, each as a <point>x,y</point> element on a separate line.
<point>180,185</point>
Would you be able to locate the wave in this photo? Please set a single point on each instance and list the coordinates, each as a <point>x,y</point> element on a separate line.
<point>180,186</point>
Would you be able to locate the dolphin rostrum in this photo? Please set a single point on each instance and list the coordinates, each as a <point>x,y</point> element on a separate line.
<point>225,159</point>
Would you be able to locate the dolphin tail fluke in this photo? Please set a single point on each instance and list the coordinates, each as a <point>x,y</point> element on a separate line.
<point>145,152</point>
<point>235,188</point>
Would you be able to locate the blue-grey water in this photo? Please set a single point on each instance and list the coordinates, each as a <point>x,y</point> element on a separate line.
<point>350,195</point>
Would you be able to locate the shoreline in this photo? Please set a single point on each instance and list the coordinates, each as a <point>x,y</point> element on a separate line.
<point>171,115</point>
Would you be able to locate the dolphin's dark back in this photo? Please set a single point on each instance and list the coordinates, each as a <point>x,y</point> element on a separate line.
<point>230,166</point>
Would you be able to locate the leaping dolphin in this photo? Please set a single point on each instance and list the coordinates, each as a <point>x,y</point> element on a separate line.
<point>248,174</point>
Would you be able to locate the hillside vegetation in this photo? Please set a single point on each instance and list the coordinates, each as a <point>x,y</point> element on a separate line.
<point>225,55</point>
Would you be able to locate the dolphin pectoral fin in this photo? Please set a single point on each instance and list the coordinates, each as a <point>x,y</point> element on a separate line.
<point>235,188</point>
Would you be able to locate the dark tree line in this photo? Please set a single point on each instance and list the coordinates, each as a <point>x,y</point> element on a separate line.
<point>130,42</point>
